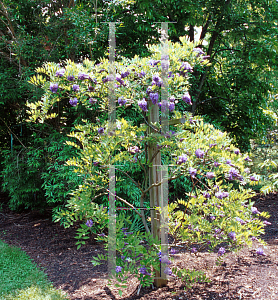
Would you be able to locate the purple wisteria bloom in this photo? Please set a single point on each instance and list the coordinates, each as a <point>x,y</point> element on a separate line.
<point>182,159</point>
<point>105,79</point>
<point>232,235</point>
<point>143,104</point>
<point>221,251</point>
<point>119,79</point>
<point>54,87</point>
<point>157,80</point>
<point>233,174</point>
<point>83,76</point>
<point>153,62</point>
<point>167,271</point>
<point>154,97</point>
<point>101,130</point>
<point>185,68</point>
<point>149,90</point>
<point>75,87</point>
<point>253,178</point>
<point>142,73</point>
<point>266,223</point>
<point>70,78</point>
<point>186,98</point>
<point>228,161</point>
<point>164,260</point>
<point>91,88</point>
<point>171,106</point>
<point>172,99</point>
<point>118,269</point>
<point>240,221</point>
<point>247,158</point>
<point>210,175</point>
<point>144,271</point>
<point>199,51</point>
<point>217,164</point>
<point>260,251</point>
<point>92,100</point>
<point>206,195</point>
<point>174,251</point>
<point>133,149</point>
<point>125,74</point>
<point>89,223</point>
<point>200,153</point>
<point>254,210</point>
<point>73,101</point>
<point>236,151</point>
<point>122,101</point>
<point>60,73</point>
<point>192,172</point>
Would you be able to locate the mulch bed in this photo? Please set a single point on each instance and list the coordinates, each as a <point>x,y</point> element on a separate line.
<point>243,275</point>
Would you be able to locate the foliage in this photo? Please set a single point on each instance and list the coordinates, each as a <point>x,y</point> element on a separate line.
<point>35,176</point>
<point>20,279</point>
<point>214,211</point>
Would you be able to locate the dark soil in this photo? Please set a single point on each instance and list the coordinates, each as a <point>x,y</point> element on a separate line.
<point>243,275</point>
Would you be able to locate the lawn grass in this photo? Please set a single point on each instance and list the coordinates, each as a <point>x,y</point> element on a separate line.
<point>20,279</point>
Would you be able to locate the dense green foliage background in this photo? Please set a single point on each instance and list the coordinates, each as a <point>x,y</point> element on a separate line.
<point>235,92</point>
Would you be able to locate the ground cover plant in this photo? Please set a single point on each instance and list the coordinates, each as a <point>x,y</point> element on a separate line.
<point>217,209</point>
<point>20,278</point>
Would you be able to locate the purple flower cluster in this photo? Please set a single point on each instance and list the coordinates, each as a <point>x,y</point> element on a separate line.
<point>193,250</point>
<point>120,80</point>
<point>164,260</point>
<point>75,87</point>
<point>247,158</point>
<point>118,269</point>
<point>154,97</point>
<point>206,195</point>
<point>254,210</point>
<point>240,221</point>
<point>157,81</point>
<point>233,174</point>
<point>217,164</point>
<point>221,251</point>
<point>73,101</point>
<point>122,101</point>
<point>83,76</point>
<point>89,223</point>
<point>260,251</point>
<point>199,51</point>
<point>253,178</point>
<point>133,149</point>
<point>232,235</point>
<point>210,175</point>
<point>143,104</point>
<point>144,271</point>
<point>192,172</point>
<point>200,153</point>
<point>186,98</point>
<point>221,195</point>
<point>71,78</point>
<point>182,159</point>
<point>185,68</point>
<point>125,74</point>
<point>92,100</point>
<point>54,87</point>
<point>60,73</point>
<point>91,88</point>
<point>101,130</point>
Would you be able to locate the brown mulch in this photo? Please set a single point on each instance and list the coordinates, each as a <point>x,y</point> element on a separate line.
<point>243,275</point>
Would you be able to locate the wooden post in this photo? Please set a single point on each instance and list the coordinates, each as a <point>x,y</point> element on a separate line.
<point>155,192</point>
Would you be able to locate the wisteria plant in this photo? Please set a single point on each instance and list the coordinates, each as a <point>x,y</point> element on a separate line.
<point>216,210</point>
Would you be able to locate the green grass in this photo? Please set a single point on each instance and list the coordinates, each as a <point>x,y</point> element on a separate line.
<point>20,279</point>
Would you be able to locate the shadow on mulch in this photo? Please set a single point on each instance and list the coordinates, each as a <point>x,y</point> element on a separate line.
<point>243,275</point>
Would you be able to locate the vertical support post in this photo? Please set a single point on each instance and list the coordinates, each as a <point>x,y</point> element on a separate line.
<point>111,125</point>
<point>157,172</point>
